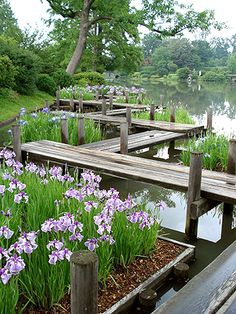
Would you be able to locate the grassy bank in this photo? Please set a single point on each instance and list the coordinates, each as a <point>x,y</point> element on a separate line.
<point>11,102</point>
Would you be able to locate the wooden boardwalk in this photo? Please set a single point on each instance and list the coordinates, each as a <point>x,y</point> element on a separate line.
<point>135,141</point>
<point>147,124</point>
<point>216,186</point>
<point>98,103</point>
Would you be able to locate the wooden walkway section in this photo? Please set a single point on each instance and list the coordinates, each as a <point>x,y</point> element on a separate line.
<point>147,124</point>
<point>135,141</point>
<point>216,186</point>
<point>98,103</point>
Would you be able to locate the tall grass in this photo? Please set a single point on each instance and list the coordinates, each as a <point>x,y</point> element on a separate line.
<point>181,116</point>
<point>214,148</point>
<point>46,126</point>
<point>74,92</point>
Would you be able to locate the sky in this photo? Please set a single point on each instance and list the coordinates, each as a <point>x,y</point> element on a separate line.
<point>31,12</point>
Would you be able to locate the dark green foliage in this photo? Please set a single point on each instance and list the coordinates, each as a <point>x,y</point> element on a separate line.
<point>212,76</point>
<point>27,70</point>
<point>62,78</point>
<point>8,72</point>
<point>46,84</point>
<point>8,23</point>
<point>92,78</point>
<point>183,73</point>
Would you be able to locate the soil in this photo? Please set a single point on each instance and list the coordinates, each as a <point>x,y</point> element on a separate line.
<point>124,280</point>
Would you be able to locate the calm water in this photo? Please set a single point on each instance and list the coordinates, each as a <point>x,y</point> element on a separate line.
<point>215,231</point>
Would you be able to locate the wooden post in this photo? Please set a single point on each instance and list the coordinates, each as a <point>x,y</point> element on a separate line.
<point>81,105</point>
<point>72,105</point>
<point>111,101</point>
<point>231,169</point>
<point>84,282</point>
<point>97,95</point>
<point>124,138</point>
<point>47,104</point>
<point>16,141</point>
<point>104,107</point>
<point>194,192</point>
<point>58,99</point>
<point>64,131</point>
<point>147,299</point>
<point>181,272</point>
<point>126,97</point>
<point>81,130</point>
<point>128,116</point>
<point>161,100</point>
<point>139,98</point>
<point>172,113</point>
<point>152,112</point>
<point>209,119</point>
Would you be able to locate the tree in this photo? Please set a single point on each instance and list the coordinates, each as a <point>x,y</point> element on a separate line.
<point>231,63</point>
<point>8,23</point>
<point>166,18</point>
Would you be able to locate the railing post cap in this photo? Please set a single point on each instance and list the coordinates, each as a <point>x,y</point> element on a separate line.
<point>84,257</point>
<point>196,153</point>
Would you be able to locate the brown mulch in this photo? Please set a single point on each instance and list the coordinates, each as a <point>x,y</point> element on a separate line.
<point>124,280</point>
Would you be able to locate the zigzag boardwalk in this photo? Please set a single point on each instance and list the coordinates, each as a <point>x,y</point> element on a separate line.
<point>215,186</point>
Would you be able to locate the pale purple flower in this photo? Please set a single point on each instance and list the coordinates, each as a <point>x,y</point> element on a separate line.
<point>2,189</point>
<point>44,181</point>
<point>104,228</point>
<point>45,110</point>
<point>22,196</point>
<point>3,253</point>
<point>91,244</point>
<point>47,226</point>
<point>31,167</point>
<point>5,232</point>
<point>22,122</point>
<point>6,213</point>
<point>7,154</point>
<point>15,264</point>
<point>55,244</point>
<point>41,171</point>
<point>5,275</point>
<point>59,255</point>
<point>90,205</point>
<point>6,176</point>
<point>55,172</point>
<point>76,236</point>
<point>34,115</point>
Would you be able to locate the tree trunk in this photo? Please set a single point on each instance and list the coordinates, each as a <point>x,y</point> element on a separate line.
<point>84,28</point>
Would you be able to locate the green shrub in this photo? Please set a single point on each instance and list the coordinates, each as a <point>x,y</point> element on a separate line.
<point>211,76</point>
<point>183,73</point>
<point>46,84</point>
<point>62,78</point>
<point>8,72</point>
<point>92,78</point>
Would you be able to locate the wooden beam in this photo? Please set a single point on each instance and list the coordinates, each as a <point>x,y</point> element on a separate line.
<point>202,206</point>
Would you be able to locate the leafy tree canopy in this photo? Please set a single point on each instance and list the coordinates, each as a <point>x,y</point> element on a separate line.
<point>8,23</point>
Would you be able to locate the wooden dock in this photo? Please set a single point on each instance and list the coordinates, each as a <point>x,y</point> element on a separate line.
<point>215,186</point>
<point>147,124</point>
<point>65,103</point>
<point>135,141</point>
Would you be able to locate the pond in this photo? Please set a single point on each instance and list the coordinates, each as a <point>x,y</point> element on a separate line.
<point>216,231</point>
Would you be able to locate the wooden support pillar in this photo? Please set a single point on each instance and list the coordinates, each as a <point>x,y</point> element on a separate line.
<point>172,113</point>
<point>104,107</point>
<point>231,169</point>
<point>72,105</point>
<point>111,101</point>
<point>152,112</point>
<point>161,100</point>
<point>128,116</point>
<point>84,282</point>
<point>97,95</point>
<point>81,105</point>
<point>58,99</point>
<point>64,131</point>
<point>47,104</point>
<point>194,192</point>
<point>139,99</point>
<point>124,138</point>
<point>81,130</point>
<point>126,97</point>
<point>209,119</point>
<point>16,141</point>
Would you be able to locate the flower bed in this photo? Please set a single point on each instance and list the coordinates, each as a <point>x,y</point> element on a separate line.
<point>45,215</point>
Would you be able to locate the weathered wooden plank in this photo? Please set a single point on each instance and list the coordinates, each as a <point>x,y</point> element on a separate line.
<point>155,172</point>
<point>136,141</point>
